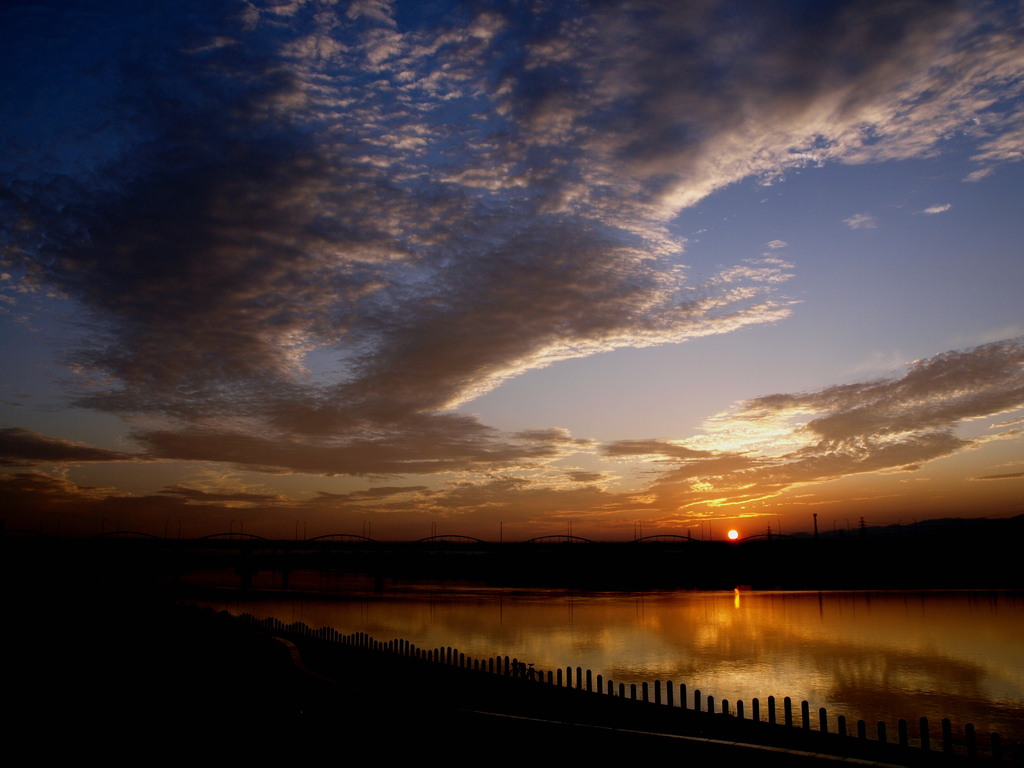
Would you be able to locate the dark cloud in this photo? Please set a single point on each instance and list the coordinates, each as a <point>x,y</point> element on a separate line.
<point>427,445</point>
<point>200,496</point>
<point>373,494</point>
<point>676,100</point>
<point>56,505</point>
<point>661,448</point>
<point>934,394</point>
<point>21,447</point>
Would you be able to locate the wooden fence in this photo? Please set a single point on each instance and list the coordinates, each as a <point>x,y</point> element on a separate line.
<point>666,694</point>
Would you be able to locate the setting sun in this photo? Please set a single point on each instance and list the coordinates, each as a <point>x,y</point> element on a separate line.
<point>733,534</point>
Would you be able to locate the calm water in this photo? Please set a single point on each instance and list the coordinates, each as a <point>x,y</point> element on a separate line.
<point>868,655</point>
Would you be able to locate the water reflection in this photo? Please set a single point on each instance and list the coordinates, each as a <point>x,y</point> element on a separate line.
<point>872,656</point>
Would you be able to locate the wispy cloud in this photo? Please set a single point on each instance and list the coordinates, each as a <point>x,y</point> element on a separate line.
<point>932,209</point>
<point>772,443</point>
<point>860,221</point>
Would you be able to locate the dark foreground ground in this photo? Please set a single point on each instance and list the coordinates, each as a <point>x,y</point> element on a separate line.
<point>98,663</point>
<point>142,683</point>
<point>104,671</point>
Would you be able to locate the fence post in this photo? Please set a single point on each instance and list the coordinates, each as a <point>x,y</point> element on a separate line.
<point>971,739</point>
<point>696,700</point>
<point>657,691</point>
<point>881,732</point>
<point>668,694</point>
<point>600,684</point>
<point>644,690</point>
<point>632,691</point>
<point>901,727</point>
<point>711,705</point>
<point>589,682</point>
<point>611,688</point>
<point>682,695</point>
<point>622,690</point>
<point>947,736</point>
<point>559,677</point>
<point>725,706</point>
<point>771,710</point>
<point>739,709</point>
<point>787,710</point>
<point>926,738</point>
<point>862,729</point>
<point>805,715</point>
<point>755,710</point>
<point>841,726</point>
<point>997,747</point>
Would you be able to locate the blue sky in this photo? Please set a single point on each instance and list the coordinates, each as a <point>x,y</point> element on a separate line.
<point>465,266</point>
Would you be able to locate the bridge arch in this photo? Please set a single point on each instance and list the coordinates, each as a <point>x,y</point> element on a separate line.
<point>350,537</point>
<point>665,537</point>
<point>232,536</point>
<point>768,537</point>
<point>125,535</point>
<point>451,538</point>
<point>564,538</point>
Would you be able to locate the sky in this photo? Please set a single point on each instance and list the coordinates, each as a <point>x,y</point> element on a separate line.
<point>510,269</point>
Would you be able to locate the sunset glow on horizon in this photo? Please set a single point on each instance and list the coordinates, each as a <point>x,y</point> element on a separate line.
<point>510,269</point>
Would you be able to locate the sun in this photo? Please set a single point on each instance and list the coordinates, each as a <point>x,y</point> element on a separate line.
<point>733,534</point>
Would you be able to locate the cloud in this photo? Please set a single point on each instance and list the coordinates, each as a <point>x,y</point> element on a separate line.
<point>432,206</point>
<point>375,494</point>
<point>979,174</point>
<point>425,445</point>
<point>654,448</point>
<point>932,209</point>
<point>769,444</point>
<point>195,495</point>
<point>757,450</point>
<point>270,196</point>
<point>22,447</point>
<point>860,221</point>
<point>57,505</point>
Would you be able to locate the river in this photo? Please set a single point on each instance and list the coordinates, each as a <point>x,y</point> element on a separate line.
<point>876,656</point>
